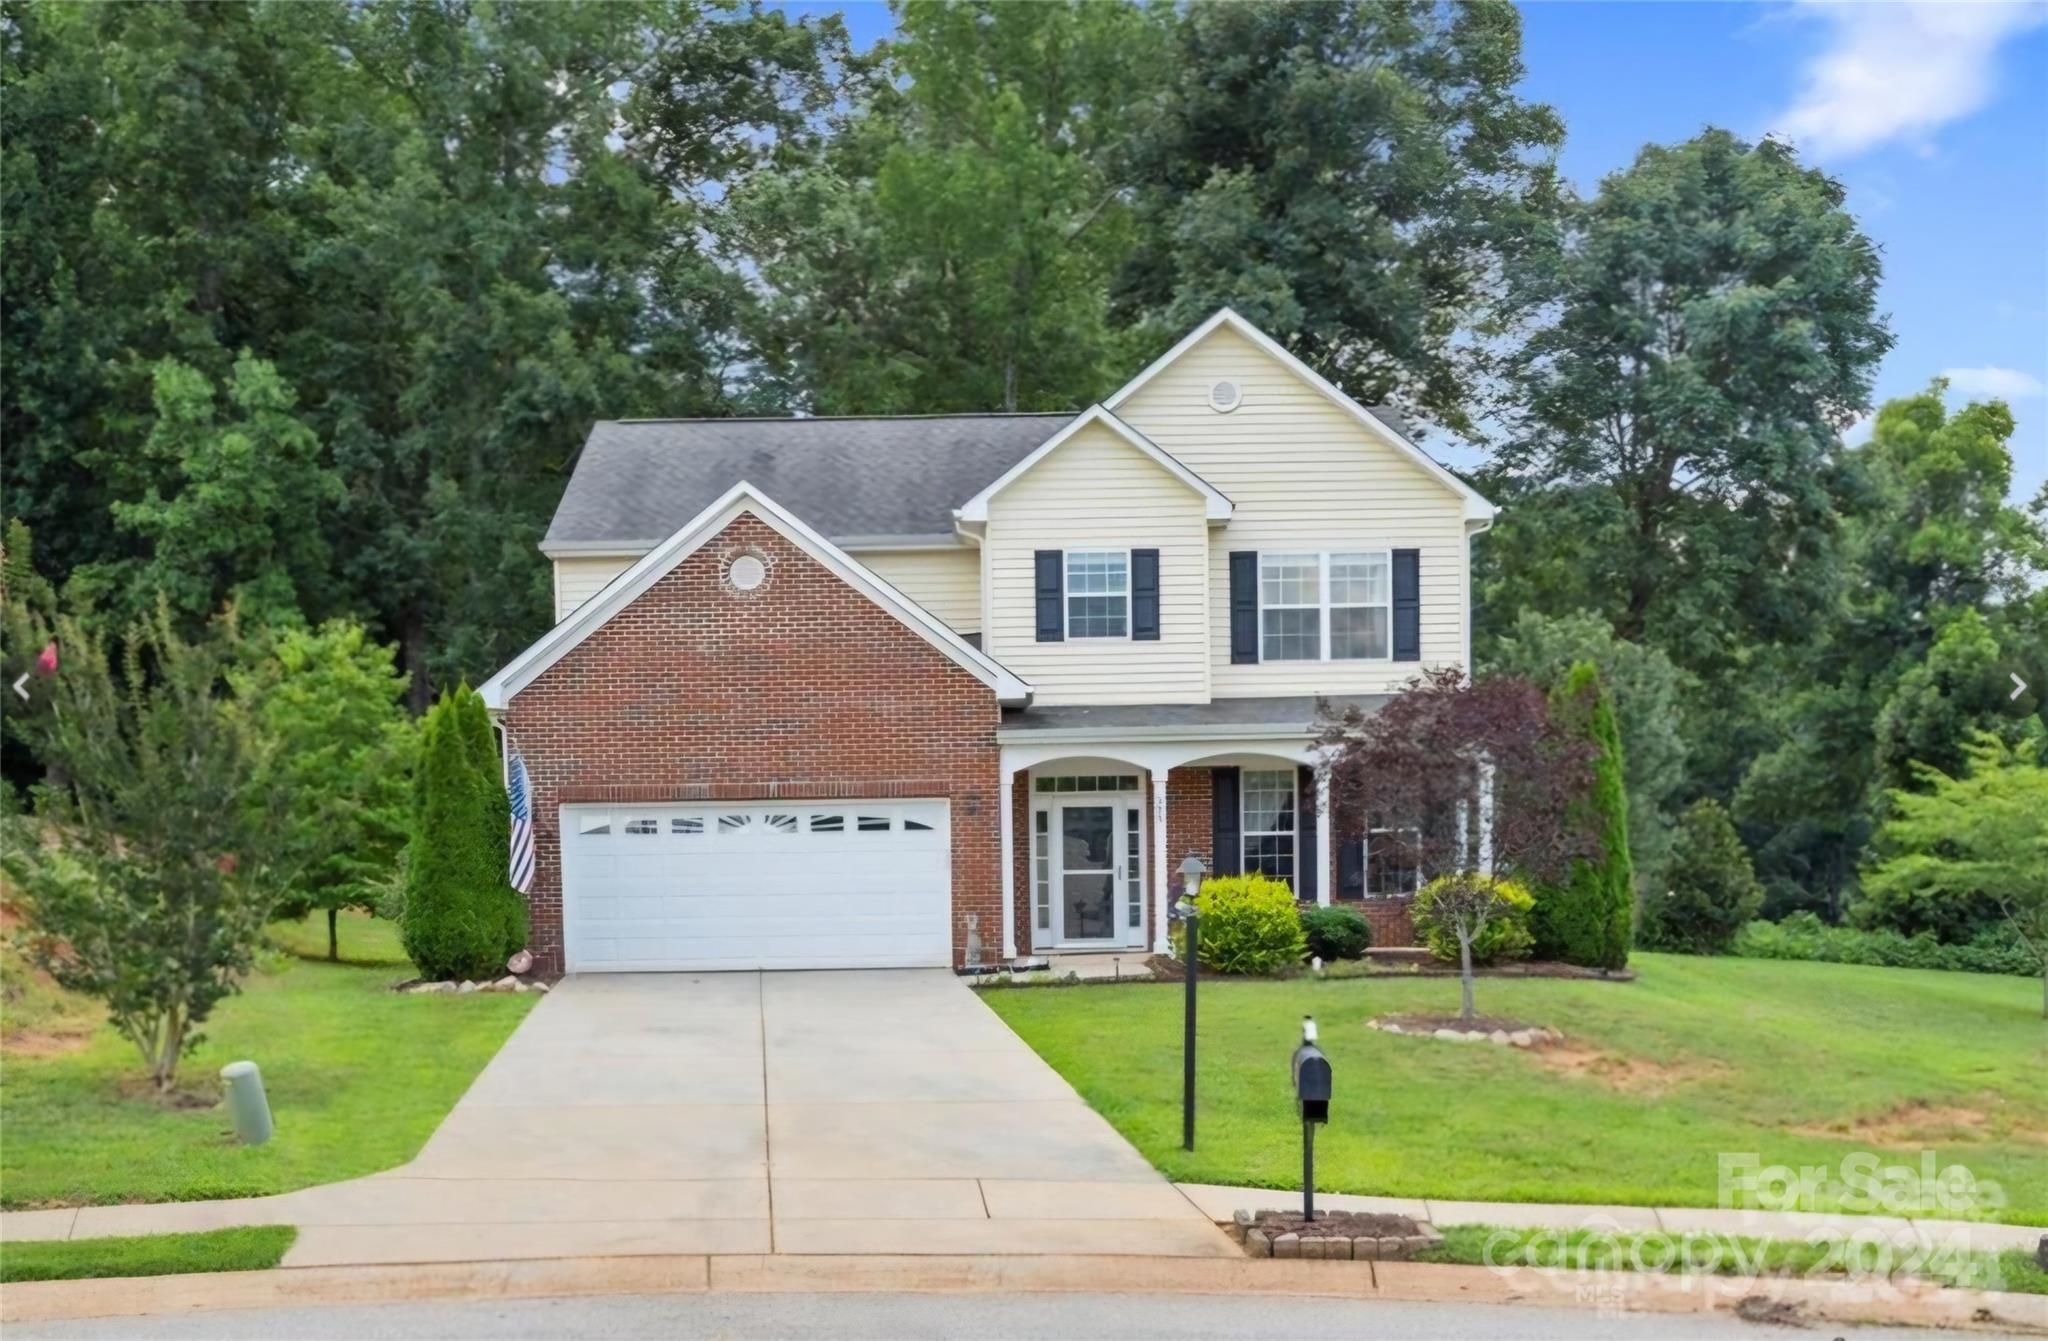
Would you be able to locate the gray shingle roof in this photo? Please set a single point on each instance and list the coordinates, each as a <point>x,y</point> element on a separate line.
<point>638,480</point>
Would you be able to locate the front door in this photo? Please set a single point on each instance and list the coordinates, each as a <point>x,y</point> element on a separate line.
<point>1098,880</point>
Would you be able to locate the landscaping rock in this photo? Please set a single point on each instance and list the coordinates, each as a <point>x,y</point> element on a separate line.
<point>1392,1028</point>
<point>1521,1038</point>
<point>467,986</point>
<point>1239,1224</point>
<point>540,987</point>
<point>1499,1036</point>
<point>1257,1244</point>
<point>1287,1245</point>
<point>508,983</point>
<point>1449,1035</point>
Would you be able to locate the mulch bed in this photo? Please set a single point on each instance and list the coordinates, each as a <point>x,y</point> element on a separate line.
<point>1335,1225</point>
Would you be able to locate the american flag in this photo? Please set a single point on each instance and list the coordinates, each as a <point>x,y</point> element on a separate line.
<point>521,792</point>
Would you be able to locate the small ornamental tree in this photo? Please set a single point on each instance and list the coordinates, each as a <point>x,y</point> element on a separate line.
<point>147,875</point>
<point>1983,833</point>
<point>462,918</point>
<point>1589,917</point>
<point>1467,780</point>
<point>1714,891</point>
<point>334,704</point>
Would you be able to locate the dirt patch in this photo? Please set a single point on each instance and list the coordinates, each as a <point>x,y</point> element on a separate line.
<point>177,1099</point>
<point>28,1043</point>
<point>1917,1123</point>
<point>1630,1075</point>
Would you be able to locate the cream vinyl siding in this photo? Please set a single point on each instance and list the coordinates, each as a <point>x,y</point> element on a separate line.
<point>946,582</point>
<point>1304,476</point>
<point>1097,492</point>
<point>581,577</point>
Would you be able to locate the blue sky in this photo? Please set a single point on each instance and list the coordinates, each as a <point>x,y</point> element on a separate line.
<point>1935,117</point>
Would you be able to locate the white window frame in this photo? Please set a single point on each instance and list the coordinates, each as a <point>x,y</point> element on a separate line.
<point>1365,863</point>
<point>1068,596</point>
<point>1323,603</point>
<point>1245,832</point>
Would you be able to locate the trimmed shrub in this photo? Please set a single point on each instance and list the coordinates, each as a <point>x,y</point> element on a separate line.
<point>1506,935</point>
<point>1249,925</point>
<point>1714,890</point>
<point>1335,933</point>
<point>1804,936</point>
<point>1590,918</point>
<point>462,918</point>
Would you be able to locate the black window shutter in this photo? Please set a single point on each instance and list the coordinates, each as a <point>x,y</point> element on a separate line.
<point>1244,607</point>
<point>1227,826</point>
<point>1051,615</point>
<point>1307,868</point>
<point>1145,594</point>
<point>1407,605</point>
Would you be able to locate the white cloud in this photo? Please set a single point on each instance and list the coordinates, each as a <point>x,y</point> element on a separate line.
<point>2004,383</point>
<point>1898,71</point>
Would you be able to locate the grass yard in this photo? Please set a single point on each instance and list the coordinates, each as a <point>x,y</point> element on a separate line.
<point>1729,1255</point>
<point>358,1077</point>
<point>252,1249</point>
<point>1799,1063</point>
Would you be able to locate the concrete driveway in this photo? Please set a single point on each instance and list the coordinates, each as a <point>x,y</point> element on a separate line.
<point>823,1112</point>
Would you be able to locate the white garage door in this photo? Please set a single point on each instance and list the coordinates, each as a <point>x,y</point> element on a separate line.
<point>794,884</point>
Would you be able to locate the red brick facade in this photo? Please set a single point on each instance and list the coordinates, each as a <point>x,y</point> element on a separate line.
<point>802,687</point>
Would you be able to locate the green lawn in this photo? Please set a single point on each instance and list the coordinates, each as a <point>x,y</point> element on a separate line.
<point>253,1249</point>
<point>1694,1058</point>
<point>358,1077</point>
<point>1727,1255</point>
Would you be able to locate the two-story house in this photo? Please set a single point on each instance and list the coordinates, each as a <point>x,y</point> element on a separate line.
<point>946,689</point>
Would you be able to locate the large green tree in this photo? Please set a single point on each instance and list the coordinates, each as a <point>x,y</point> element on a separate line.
<point>951,248</point>
<point>1711,328</point>
<point>448,234</point>
<point>1352,177</point>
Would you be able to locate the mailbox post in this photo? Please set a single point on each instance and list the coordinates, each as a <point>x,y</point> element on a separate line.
<point>1312,1100</point>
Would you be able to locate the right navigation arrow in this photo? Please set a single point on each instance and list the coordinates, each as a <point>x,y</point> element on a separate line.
<point>2019,685</point>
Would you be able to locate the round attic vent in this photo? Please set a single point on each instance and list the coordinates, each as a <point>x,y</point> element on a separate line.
<point>1225,396</point>
<point>746,573</point>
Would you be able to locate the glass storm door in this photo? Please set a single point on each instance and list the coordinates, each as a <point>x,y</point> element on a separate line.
<point>1088,872</point>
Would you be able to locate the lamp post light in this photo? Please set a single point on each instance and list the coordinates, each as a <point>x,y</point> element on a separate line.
<point>1191,872</point>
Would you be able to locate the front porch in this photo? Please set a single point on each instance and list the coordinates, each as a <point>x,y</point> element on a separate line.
<point>1105,802</point>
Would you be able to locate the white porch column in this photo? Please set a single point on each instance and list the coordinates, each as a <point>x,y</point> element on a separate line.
<point>1486,818</point>
<point>1007,806</point>
<point>1162,869</point>
<point>1326,874</point>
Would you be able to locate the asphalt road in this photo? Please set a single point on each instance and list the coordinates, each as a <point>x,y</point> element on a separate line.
<point>906,1317</point>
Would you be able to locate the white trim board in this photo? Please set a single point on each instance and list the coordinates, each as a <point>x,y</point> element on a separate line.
<point>742,498</point>
<point>1215,506</point>
<point>1476,505</point>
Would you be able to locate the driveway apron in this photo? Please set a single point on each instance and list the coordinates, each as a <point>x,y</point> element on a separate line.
<point>871,1111</point>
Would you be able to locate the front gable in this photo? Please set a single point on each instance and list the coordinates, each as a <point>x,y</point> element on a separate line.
<point>709,530</point>
<point>1228,382</point>
<point>1098,427</point>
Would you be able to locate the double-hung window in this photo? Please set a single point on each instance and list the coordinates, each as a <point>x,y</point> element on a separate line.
<point>1098,594</point>
<point>1391,869</point>
<point>1267,818</point>
<point>1330,606</point>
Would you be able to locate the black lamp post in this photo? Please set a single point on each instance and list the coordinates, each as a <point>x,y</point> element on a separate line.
<point>1191,872</point>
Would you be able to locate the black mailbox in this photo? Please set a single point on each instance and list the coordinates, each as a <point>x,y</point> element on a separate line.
<point>1311,1077</point>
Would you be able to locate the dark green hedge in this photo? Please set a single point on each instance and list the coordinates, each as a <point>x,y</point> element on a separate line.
<point>1804,936</point>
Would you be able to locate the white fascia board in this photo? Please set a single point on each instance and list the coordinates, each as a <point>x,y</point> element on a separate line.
<point>1476,505</point>
<point>596,549</point>
<point>1215,506</point>
<point>630,585</point>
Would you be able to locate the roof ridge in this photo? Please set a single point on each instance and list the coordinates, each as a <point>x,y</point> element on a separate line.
<point>839,418</point>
